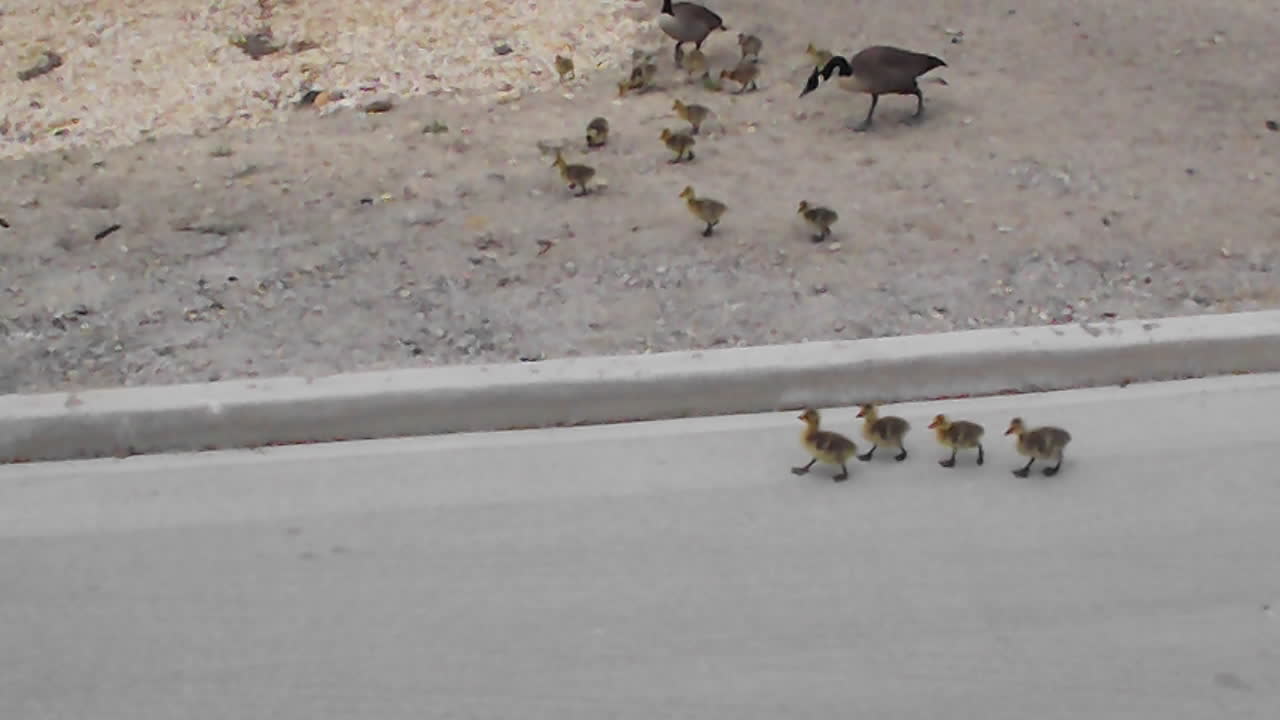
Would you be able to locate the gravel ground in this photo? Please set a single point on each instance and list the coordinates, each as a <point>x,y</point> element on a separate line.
<point>1082,163</point>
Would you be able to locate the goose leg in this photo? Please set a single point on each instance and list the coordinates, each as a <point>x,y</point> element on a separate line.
<point>866,123</point>
<point>679,54</point>
<point>844,474</point>
<point>803,469</point>
<point>949,462</point>
<point>1051,471</point>
<point>867,455</point>
<point>919,103</point>
<point>822,235</point>
<point>980,458</point>
<point>902,455</point>
<point>1022,471</point>
<point>707,232</point>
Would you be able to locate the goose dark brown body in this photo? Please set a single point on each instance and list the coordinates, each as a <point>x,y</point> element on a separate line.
<point>688,22</point>
<point>875,71</point>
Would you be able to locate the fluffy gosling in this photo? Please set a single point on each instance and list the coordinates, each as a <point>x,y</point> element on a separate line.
<point>829,447</point>
<point>564,66</point>
<point>745,74</point>
<point>597,132</point>
<point>1044,443</point>
<point>679,143</point>
<point>695,115</point>
<point>887,430</point>
<point>705,209</point>
<point>820,218</point>
<point>575,176</point>
<point>957,435</point>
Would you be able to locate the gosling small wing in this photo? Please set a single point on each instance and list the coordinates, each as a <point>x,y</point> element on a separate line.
<point>965,434</point>
<point>712,208</point>
<point>1046,442</point>
<point>833,446</point>
<point>890,427</point>
<point>1057,437</point>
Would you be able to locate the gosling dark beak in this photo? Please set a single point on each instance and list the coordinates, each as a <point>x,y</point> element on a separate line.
<point>1009,431</point>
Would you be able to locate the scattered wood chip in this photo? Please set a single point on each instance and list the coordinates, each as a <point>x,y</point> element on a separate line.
<point>301,46</point>
<point>309,97</point>
<point>435,127</point>
<point>258,45</point>
<point>104,232</point>
<point>214,228</point>
<point>47,62</point>
<point>545,246</point>
<point>380,105</point>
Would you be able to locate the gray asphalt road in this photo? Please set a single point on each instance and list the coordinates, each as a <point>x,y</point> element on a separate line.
<point>664,570</point>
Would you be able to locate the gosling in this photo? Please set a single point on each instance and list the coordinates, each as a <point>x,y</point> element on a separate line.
<point>750,46</point>
<point>705,209</point>
<point>564,66</point>
<point>745,74</point>
<point>696,65</point>
<point>957,435</point>
<point>597,132</point>
<point>820,218</point>
<point>829,447</point>
<point>695,115</point>
<point>1044,443</point>
<point>679,143</point>
<point>888,431</point>
<point>819,56</point>
<point>575,176</point>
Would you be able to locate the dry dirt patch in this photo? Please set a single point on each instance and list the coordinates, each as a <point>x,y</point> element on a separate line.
<point>1083,163</point>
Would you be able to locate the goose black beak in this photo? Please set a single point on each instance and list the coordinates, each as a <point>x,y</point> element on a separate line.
<point>811,85</point>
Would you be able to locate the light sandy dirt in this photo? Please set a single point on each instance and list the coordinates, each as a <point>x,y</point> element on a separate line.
<point>1088,162</point>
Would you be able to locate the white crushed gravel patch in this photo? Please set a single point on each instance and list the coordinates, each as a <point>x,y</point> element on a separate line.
<point>436,233</point>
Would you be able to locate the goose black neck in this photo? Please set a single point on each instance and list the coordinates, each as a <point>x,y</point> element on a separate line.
<point>666,7</point>
<point>834,64</point>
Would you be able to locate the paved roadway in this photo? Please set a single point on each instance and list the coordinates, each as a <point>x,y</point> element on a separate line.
<point>664,570</point>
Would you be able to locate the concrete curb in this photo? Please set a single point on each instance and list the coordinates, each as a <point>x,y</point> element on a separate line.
<point>574,391</point>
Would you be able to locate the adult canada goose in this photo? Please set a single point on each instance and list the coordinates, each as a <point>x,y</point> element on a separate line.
<point>878,70</point>
<point>688,22</point>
